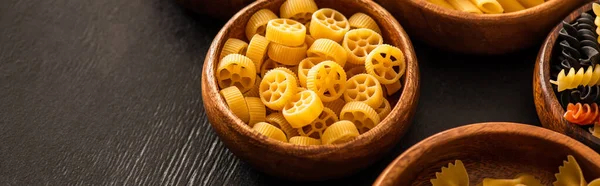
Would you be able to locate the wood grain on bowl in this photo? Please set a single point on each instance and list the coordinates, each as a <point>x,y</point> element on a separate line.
<point>480,34</point>
<point>494,150</point>
<point>547,106</point>
<point>308,163</point>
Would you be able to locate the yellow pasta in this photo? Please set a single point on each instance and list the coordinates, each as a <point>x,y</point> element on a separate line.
<point>236,70</point>
<point>454,174</point>
<point>339,132</point>
<point>316,128</point>
<point>384,109</point>
<point>257,24</point>
<point>286,32</point>
<point>361,20</point>
<point>511,5</point>
<point>355,71</point>
<point>361,114</point>
<point>268,65</point>
<point>489,6</point>
<point>386,63</point>
<point>257,50</point>
<point>327,79</point>
<point>270,131</point>
<point>328,50</point>
<point>595,130</point>
<point>569,173</point>
<point>307,25</point>
<point>304,66</point>
<point>302,109</point>
<point>329,23</point>
<point>595,182</point>
<point>253,92</point>
<point>465,6</point>
<point>596,9</point>
<point>309,40</point>
<point>589,77</point>
<point>390,89</point>
<point>335,105</point>
<point>287,55</point>
<point>303,140</point>
<point>278,120</point>
<point>520,179</point>
<point>233,46</point>
<point>442,3</point>
<point>256,109</point>
<point>236,102</point>
<point>299,10</point>
<point>277,88</point>
<point>358,43</point>
<point>364,88</point>
<point>531,3</point>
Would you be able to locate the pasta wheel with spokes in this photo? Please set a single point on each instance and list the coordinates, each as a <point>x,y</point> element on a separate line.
<point>364,88</point>
<point>236,102</point>
<point>361,20</point>
<point>304,66</point>
<point>355,71</point>
<point>361,114</point>
<point>256,109</point>
<point>236,70</point>
<point>287,55</point>
<point>329,23</point>
<point>270,131</point>
<point>268,65</point>
<point>277,88</point>
<point>327,79</point>
<point>316,128</point>
<point>340,132</point>
<point>384,109</point>
<point>303,108</point>
<point>328,50</point>
<point>303,140</point>
<point>286,32</point>
<point>386,63</point>
<point>278,120</point>
<point>358,43</point>
<point>234,46</point>
<point>257,24</point>
<point>257,50</point>
<point>299,10</point>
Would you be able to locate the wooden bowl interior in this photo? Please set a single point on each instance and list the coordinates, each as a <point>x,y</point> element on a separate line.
<point>497,153</point>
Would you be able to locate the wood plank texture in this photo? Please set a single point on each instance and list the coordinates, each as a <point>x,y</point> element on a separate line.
<point>108,93</point>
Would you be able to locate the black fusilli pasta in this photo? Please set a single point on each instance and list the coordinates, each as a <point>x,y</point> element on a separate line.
<point>588,42</point>
<point>583,94</point>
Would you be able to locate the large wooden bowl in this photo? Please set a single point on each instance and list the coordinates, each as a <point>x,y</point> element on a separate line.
<point>495,150</point>
<point>546,103</point>
<point>480,34</point>
<point>312,162</point>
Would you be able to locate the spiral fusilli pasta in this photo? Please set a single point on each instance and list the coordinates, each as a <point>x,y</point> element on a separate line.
<point>582,114</point>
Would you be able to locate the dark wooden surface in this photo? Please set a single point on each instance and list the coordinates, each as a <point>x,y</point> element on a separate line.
<point>108,93</point>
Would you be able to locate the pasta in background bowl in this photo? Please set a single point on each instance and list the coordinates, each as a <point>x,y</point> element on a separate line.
<point>465,32</point>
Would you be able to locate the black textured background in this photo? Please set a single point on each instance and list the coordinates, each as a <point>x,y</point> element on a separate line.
<point>107,92</point>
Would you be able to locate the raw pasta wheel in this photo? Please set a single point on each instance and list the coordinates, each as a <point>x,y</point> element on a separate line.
<point>309,40</point>
<point>329,23</point>
<point>307,25</point>
<point>233,46</point>
<point>236,102</point>
<point>257,50</point>
<point>286,32</point>
<point>316,128</point>
<point>384,109</point>
<point>358,43</point>
<point>364,88</point>
<point>327,79</point>
<point>390,89</point>
<point>286,70</point>
<point>270,131</point>
<point>303,109</point>
<point>361,20</point>
<point>277,88</point>
<point>256,109</point>
<point>355,71</point>
<point>257,24</point>
<point>340,132</point>
<point>361,114</point>
<point>299,10</point>
<point>287,55</point>
<point>278,120</point>
<point>253,92</point>
<point>328,50</point>
<point>268,65</point>
<point>386,63</point>
<point>336,105</point>
<point>303,140</point>
<point>305,66</point>
<point>236,70</point>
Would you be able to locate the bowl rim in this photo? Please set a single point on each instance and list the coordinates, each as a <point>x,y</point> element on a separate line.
<point>455,14</point>
<point>405,106</point>
<point>394,169</point>
<point>545,98</point>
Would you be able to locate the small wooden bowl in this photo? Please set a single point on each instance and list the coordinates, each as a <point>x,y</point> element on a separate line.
<point>495,150</point>
<point>311,163</point>
<point>480,34</point>
<point>547,106</point>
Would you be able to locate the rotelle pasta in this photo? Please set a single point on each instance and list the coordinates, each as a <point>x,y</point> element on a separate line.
<point>258,23</point>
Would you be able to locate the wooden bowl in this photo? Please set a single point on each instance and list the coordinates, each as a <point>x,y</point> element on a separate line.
<point>547,106</point>
<point>311,163</point>
<point>479,34</point>
<point>222,9</point>
<point>496,150</point>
